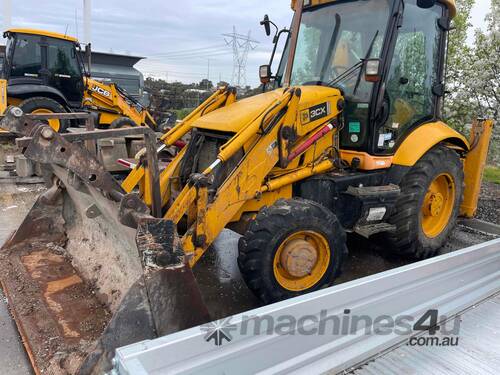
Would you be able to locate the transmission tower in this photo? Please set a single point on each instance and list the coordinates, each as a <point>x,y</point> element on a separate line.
<point>241,46</point>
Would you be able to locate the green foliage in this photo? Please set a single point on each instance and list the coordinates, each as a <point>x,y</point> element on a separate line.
<point>182,113</point>
<point>492,174</point>
<point>473,73</point>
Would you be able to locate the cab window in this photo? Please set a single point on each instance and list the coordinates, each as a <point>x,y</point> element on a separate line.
<point>413,72</point>
<point>62,59</point>
<point>27,59</point>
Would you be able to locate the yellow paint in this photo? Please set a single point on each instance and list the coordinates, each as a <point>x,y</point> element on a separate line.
<point>423,138</point>
<point>438,205</point>
<point>222,97</point>
<point>243,189</point>
<point>297,175</point>
<point>238,115</point>
<point>105,98</point>
<point>262,200</point>
<point>3,99</point>
<point>53,123</point>
<point>49,34</point>
<point>313,242</point>
<point>3,95</point>
<point>474,165</point>
<point>234,117</point>
<point>449,3</point>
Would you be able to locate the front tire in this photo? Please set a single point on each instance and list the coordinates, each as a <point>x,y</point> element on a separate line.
<point>427,210</point>
<point>122,122</point>
<point>291,248</point>
<point>43,105</point>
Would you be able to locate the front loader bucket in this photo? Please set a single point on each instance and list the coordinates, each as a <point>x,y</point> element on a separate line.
<point>81,283</point>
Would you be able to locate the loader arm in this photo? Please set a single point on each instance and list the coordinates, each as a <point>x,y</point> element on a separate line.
<point>113,103</point>
<point>224,96</point>
<point>247,180</point>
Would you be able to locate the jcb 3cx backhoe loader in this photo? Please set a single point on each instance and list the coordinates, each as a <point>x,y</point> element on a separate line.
<point>44,72</point>
<point>348,138</point>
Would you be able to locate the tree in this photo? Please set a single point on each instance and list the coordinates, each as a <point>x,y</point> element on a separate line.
<point>456,108</point>
<point>473,72</point>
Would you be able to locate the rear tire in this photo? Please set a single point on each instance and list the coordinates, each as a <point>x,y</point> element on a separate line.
<point>427,210</point>
<point>40,104</point>
<point>122,122</point>
<point>292,226</point>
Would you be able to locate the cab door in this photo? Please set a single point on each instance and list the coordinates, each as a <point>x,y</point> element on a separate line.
<point>63,70</point>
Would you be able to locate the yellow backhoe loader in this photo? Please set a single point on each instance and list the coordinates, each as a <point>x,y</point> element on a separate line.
<point>44,72</point>
<point>346,138</point>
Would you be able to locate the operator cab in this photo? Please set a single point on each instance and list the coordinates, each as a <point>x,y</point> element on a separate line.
<point>386,56</point>
<point>47,59</point>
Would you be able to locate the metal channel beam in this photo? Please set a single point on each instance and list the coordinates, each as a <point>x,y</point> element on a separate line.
<point>449,283</point>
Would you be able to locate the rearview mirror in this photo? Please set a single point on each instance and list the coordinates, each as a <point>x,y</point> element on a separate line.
<point>265,74</point>
<point>266,24</point>
<point>372,70</point>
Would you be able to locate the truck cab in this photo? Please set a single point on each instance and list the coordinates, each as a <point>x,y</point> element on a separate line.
<point>44,62</point>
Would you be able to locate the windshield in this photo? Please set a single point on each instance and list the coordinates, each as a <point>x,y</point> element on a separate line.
<point>335,37</point>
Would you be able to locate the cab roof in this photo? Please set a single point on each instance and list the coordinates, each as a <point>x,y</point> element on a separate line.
<point>449,3</point>
<point>46,33</point>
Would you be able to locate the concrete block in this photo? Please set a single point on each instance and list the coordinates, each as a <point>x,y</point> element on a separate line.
<point>110,150</point>
<point>39,169</point>
<point>24,167</point>
<point>135,146</point>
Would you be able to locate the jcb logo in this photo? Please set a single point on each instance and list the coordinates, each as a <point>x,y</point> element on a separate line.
<point>315,113</point>
<point>101,91</point>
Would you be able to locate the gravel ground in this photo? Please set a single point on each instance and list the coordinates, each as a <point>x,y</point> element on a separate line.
<point>489,203</point>
<point>219,275</point>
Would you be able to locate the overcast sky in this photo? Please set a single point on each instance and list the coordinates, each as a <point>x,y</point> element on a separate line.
<point>179,38</point>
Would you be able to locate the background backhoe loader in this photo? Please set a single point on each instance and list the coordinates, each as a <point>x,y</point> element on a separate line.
<point>44,72</point>
<point>348,138</point>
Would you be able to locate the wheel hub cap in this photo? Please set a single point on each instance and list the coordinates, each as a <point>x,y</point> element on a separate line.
<point>299,258</point>
<point>436,202</point>
<point>438,205</point>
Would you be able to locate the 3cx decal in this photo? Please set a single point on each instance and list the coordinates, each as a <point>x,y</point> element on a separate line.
<point>315,113</point>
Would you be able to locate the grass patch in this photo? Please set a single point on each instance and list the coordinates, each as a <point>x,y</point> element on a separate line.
<point>492,174</point>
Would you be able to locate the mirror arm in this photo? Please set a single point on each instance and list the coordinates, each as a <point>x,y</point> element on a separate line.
<point>275,41</point>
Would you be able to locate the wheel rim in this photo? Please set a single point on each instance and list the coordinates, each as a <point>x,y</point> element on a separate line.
<point>438,205</point>
<point>301,260</point>
<point>53,123</point>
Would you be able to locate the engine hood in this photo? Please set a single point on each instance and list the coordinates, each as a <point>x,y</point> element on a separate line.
<point>234,117</point>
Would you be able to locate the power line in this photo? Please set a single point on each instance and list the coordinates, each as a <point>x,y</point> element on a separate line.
<point>188,51</point>
<point>241,46</point>
<point>192,56</point>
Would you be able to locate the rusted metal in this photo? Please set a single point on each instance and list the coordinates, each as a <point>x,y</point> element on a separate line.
<point>49,147</point>
<point>46,146</point>
<point>154,174</point>
<point>95,135</point>
<point>66,320</point>
<point>91,145</point>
